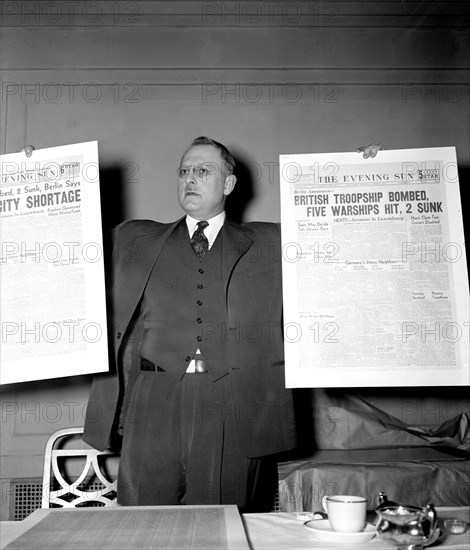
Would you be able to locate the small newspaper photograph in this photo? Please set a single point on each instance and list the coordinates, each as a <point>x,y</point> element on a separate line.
<point>52,291</point>
<point>375,282</point>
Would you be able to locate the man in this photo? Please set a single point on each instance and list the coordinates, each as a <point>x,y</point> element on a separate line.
<point>198,390</point>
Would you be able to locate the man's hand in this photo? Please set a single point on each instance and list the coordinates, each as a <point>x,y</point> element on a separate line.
<point>370,150</point>
<point>28,150</point>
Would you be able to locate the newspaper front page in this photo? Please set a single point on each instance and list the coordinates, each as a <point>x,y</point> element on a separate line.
<point>53,314</point>
<point>375,278</point>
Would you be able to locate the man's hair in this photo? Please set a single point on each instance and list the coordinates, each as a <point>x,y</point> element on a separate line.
<point>227,158</point>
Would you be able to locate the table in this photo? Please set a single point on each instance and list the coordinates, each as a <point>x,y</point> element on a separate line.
<point>210,527</point>
<point>263,531</point>
<point>284,531</point>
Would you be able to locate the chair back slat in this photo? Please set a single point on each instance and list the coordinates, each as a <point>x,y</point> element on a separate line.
<point>57,491</point>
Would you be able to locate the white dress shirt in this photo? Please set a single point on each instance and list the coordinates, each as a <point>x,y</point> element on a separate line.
<point>211,231</point>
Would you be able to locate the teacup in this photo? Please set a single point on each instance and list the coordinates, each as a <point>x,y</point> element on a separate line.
<point>346,513</point>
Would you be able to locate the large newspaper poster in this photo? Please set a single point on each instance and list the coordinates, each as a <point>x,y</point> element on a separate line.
<point>53,313</point>
<point>375,278</point>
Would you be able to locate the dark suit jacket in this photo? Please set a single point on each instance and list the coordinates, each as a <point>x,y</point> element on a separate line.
<point>251,276</point>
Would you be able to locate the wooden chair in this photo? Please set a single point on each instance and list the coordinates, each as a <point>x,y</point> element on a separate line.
<point>92,485</point>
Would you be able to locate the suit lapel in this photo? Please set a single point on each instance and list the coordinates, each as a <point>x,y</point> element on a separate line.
<point>136,267</point>
<point>235,243</point>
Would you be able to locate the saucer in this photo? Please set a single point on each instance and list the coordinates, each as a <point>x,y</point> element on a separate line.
<point>323,532</point>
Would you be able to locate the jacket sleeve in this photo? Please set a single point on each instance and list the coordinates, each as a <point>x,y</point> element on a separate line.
<point>105,388</point>
<point>110,392</point>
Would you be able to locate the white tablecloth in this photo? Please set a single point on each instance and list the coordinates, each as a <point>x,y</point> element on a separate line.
<point>284,531</point>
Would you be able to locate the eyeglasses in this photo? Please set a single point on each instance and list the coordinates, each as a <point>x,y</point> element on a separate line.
<point>201,171</point>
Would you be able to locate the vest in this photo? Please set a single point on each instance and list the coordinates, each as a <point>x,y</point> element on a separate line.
<point>183,308</point>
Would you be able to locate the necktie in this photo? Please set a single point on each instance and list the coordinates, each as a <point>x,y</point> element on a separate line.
<point>199,241</point>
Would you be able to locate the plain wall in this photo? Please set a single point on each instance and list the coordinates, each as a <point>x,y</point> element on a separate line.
<point>265,78</point>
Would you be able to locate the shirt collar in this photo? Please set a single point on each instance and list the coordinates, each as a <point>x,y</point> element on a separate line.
<point>211,231</point>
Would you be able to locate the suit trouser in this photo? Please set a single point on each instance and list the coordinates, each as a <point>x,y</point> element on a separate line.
<point>180,447</point>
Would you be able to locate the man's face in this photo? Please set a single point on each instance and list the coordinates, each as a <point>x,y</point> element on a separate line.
<point>202,182</point>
